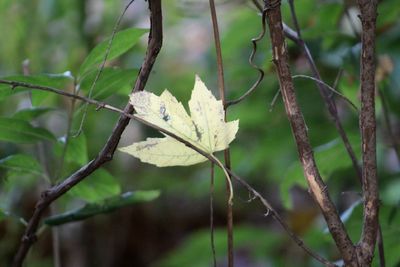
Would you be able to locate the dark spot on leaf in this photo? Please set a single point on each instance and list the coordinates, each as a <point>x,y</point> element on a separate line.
<point>164,114</point>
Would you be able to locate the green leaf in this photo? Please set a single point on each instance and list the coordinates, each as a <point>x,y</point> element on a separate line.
<point>76,149</point>
<point>22,132</point>
<point>31,113</point>
<point>103,206</point>
<point>112,81</point>
<point>122,42</point>
<point>21,163</point>
<point>101,184</point>
<point>50,80</point>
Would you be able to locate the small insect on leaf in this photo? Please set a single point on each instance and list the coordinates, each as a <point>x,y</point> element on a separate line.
<point>205,128</point>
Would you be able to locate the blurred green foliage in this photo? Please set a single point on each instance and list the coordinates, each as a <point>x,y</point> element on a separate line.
<point>39,145</point>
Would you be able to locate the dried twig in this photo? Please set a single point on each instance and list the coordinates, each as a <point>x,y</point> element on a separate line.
<point>366,246</point>
<point>212,215</point>
<point>332,109</point>
<point>327,86</point>
<point>227,156</point>
<point>255,66</point>
<point>385,111</point>
<point>103,63</point>
<point>329,102</point>
<point>296,37</point>
<point>317,187</point>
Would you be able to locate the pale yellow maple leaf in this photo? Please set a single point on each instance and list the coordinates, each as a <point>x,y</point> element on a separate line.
<point>206,128</point>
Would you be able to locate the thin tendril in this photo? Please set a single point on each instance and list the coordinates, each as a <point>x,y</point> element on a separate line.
<point>100,71</point>
<point>251,62</point>
<point>230,201</point>
<point>329,87</point>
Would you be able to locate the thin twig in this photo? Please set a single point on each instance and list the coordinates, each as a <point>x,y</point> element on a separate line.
<point>15,84</point>
<point>274,99</point>
<point>107,152</point>
<point>337,80</point>
<point>63,186</point>
<point>227,156</point>
<point>331,106</point>
<point>366,246</point>
<point>385,112</point>
<point>381,248</point>
<point>278,218</point>
<point>294,19</point>
<point>317,186</point>
<point>103,63</point>
<point>67,137</point>
<point>212,214</point>
<point>255,66</point>
<point>329,88</point>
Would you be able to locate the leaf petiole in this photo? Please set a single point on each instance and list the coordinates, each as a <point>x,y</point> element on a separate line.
<point>228,178</point>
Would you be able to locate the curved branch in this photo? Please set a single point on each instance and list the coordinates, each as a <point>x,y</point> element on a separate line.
<point>317,187</point>
<point>106,154</point>
<point>213,159</point>
<point>330,104</point>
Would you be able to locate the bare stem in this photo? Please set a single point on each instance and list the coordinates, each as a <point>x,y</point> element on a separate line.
<point>366,246</point>
<point>103,63</point>
<point>254,42</point>
<point>227,157</point>
<point>317,187</point>
<point>212,215</point>
<point>295,36</point>
<point>392,137</point>
<point>327,86</point>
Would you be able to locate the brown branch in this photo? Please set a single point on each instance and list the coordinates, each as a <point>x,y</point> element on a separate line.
<point>106,154</point>
<point>58,190</point>
<point>317,187</point>
<point>212,215</point>
<point>381,248</point>
<point>227,155</point>
<point>265,203</point>
<point>271,211</point>
<point>324,91</point>
<point>366,246</point>
<point>330,103</point>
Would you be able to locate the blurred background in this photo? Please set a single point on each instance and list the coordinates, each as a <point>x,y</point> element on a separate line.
<point>55,36</point>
